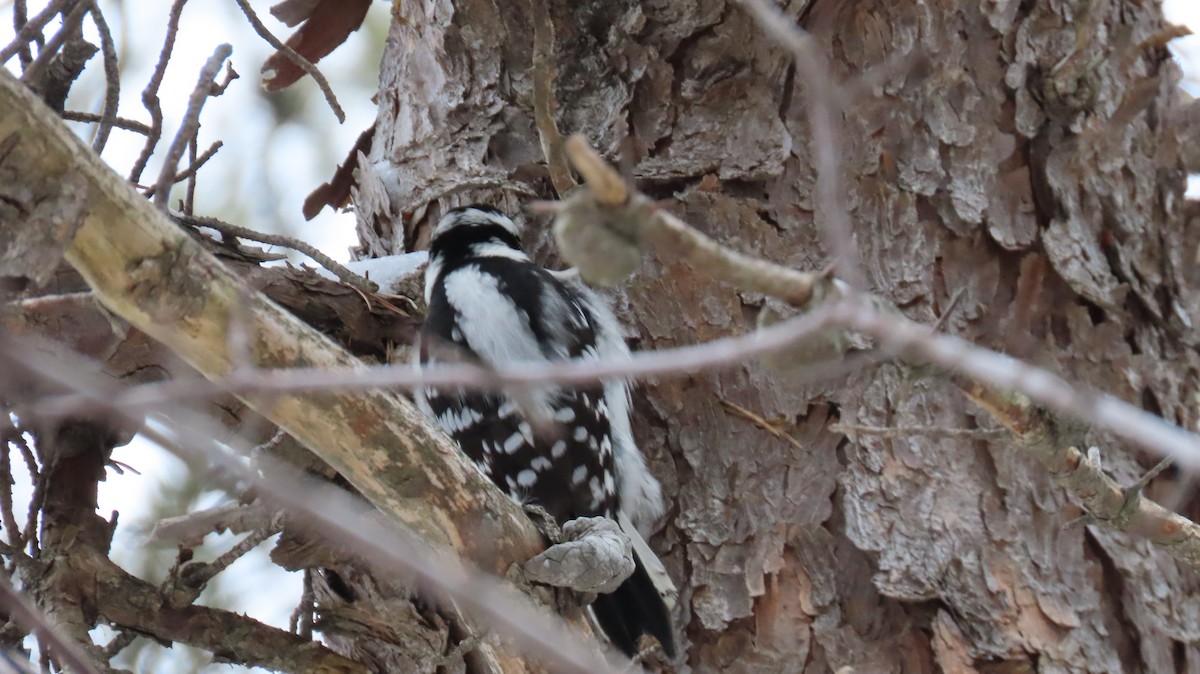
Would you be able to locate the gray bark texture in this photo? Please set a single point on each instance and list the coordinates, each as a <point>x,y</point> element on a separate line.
<point>1012,170</point>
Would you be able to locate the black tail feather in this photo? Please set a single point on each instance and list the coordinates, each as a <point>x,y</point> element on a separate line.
<point>634,609</point>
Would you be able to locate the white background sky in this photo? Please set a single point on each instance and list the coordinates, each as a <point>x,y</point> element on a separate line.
<point>277,149</point>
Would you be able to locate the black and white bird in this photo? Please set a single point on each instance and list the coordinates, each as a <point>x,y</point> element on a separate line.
<point>488,301</point>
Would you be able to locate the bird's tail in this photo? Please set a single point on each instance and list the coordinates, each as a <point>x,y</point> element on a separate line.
<point>642,604</point>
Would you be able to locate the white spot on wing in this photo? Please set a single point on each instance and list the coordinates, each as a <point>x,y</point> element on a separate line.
<point>579,475</point>
<point>513,443</point>
<point>526,478</point>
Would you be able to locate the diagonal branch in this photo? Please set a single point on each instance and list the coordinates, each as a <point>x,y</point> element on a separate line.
<point>149,272</point>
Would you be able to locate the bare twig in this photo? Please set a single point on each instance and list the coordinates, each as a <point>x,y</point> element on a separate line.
<point>194,164</point>
<point>685,360</point>
<point>150,93</point>
<point>191,528</point>
<point>545,105</point>
<point>29,618</point>
<point>33,27</point>
<point>119,643</point>
<point>70,27</point>
<point>832,218</point>
<point>929,431</point>
<point>327,509</point>
<point>760,422</point>
<point>11,528</point>
<point>190,125</point>
<point>301,621</point>
<point>1107,503</point>
<point>193,577</point>
<point>117,122</point>
<point>35,499</point>
<point>112,79</point>
<point>608,185</point>
<point>660,229</point>
<point>295,57</point>
<point>1004,372</point>
<point>20,18</point>
<point>344,274</point>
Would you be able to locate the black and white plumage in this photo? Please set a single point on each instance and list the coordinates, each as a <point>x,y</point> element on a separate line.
<point>488,301</point>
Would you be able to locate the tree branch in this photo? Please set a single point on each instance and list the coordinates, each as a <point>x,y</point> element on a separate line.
<point>145,269</point>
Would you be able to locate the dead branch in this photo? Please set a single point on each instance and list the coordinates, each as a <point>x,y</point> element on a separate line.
<point>1106,502</point>
<point>819,97</point>
<point>667,362</point>
<point>117,122</point>
<point>636,220</point>
<point>150,93</point>
<point>191,528</point>
<point>112,79</point>
<point>336,268</point>
<point>145,269</point>
<point>296,58</point>
<point>190,125</point>
<point>33,28</point>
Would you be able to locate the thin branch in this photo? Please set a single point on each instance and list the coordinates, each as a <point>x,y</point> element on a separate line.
<point>190,125</point>
<point>997,370</point>
<point>326,510</point>
<point>680,361</point>
<point>150,93</point>
<point>194,164</point>
<point>20,19</point>
<point>193,578</point>
<point>819,97</point>
<point>657,228</point>
<point>295,57</point>
<point>759,421</point>
<point>301,621</point>
<point>70,27</point>
<point>343,273</point>
<point>117,122</point>
<point>29,618</point>
<point>33,28</point>
<point>15,537</point>
<point>112,79</point>
<point>1106,502</point>
<point>190,529</point>
<point>928,431</point>
<point>545,104</point>
<point>35,499</point>
<point>119,643</point>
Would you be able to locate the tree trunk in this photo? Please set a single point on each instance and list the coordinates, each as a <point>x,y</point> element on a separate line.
<point>1012,174</point>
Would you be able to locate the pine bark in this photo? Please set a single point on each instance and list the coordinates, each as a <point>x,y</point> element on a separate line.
<point>1012,172</point>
